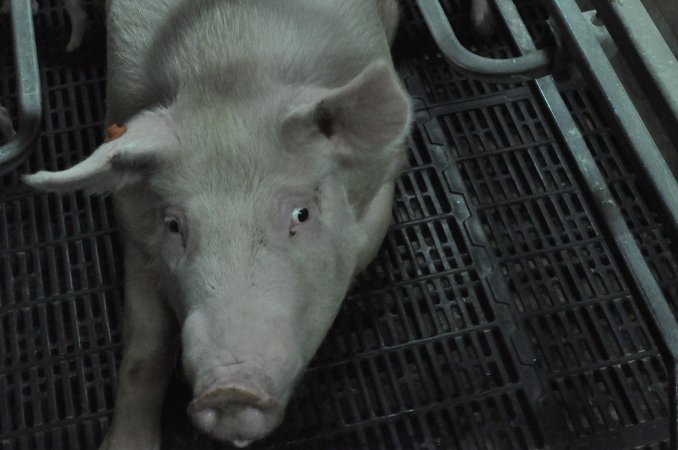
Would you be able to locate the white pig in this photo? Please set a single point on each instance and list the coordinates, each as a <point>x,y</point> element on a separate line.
<point>76,14</point>
<point>6,128</point>
<point>482,18</point>
<point>254,181</point>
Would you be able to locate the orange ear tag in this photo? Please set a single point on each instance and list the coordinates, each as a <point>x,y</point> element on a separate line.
<point>114,132</point>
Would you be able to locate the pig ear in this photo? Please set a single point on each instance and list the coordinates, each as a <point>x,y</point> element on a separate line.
<point>147,141</point>
<point>365,115</point>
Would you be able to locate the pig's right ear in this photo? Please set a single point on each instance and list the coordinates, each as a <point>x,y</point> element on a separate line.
<point>363,117</point>
<point>148,141</point>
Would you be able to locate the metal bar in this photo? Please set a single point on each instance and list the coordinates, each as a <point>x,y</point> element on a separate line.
<point>510,70</point>
<point>597,187</point>
<point>650,58</point>
<point>583,45</point>
<point>28,84</point>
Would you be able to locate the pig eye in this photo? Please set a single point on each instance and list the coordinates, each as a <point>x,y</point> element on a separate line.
<point>176,226</point>
<point>300,215</point>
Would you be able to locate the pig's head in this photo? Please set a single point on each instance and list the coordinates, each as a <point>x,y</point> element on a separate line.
<point>254,214</point>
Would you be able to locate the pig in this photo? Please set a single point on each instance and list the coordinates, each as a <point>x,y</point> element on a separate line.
<point>76,14</point>
<point>482,18</point>
<point>252,171</point>
<point>6,128</point>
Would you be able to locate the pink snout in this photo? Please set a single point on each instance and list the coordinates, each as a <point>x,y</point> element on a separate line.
<point>240,412</point>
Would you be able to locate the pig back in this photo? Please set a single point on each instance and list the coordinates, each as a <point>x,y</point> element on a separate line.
<point>234,47</point>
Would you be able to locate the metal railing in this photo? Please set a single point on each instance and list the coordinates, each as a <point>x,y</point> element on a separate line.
<point>640,42</point>
<point>28,87</point>
<point>511,70</point>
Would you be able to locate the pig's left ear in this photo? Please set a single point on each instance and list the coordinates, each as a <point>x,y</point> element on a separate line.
<point>363,116</point>
<point>147,141</point>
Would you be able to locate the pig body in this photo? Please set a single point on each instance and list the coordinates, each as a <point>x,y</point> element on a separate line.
<point>482,18</point>
<point>6,128</point>
<point>76,14</point>
<point>253,182</point>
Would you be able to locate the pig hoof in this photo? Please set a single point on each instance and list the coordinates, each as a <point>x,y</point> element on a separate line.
<point>74,44</point>
<point>235,413</point>
<point>78,18</point>
<point>71,47</point>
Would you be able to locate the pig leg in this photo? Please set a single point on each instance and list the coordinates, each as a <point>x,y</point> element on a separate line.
<point>6,128</point>
<point>78,17</point>
<point>482,18</point>
<point>147,362</point>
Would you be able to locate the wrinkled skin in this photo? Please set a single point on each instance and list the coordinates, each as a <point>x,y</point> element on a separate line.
<point>254,181</point>
<point>76,13</point>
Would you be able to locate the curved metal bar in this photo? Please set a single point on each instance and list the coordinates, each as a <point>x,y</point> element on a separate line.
<point>510,70</point>
<point>28,84</point>
<point>586,46</point>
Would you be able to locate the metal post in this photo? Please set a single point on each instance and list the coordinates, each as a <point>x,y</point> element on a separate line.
<point>613,220</point>
<point>582,44</point>
<point>28,87</point>
<point>649,57</point>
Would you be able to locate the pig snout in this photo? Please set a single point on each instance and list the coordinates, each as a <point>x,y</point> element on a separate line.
<point>237,409</point>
